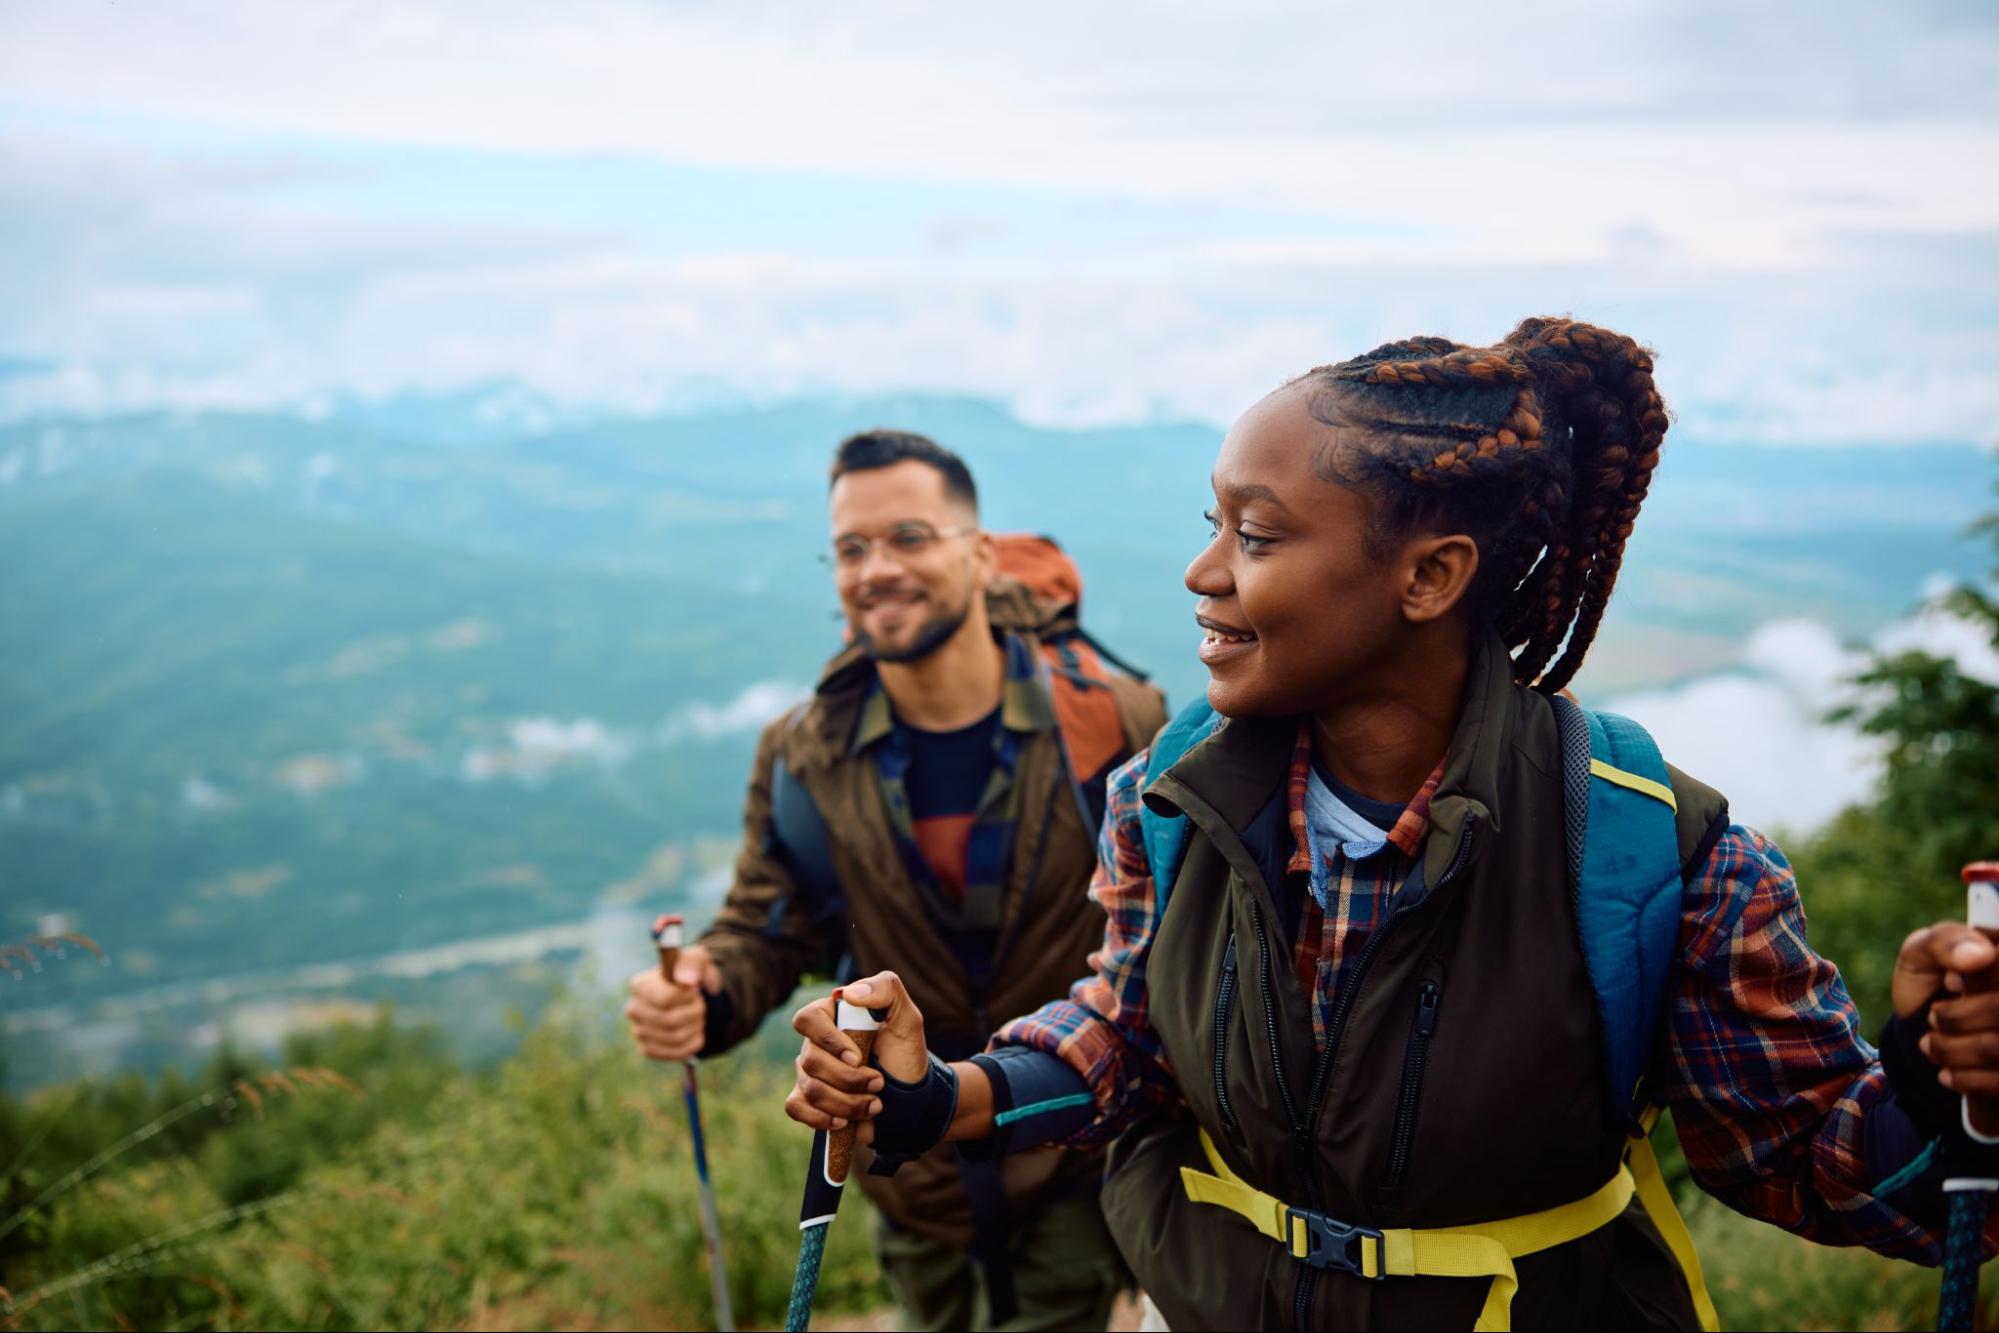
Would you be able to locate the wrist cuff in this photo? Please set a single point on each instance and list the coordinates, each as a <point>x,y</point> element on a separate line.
<point>1928,1103</point>
<point>914,1116</point>
<point>715,1029</point>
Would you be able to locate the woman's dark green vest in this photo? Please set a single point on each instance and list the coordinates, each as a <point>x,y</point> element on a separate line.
<point>1462,1081</point>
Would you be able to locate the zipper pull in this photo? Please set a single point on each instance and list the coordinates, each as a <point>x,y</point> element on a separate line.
<point>1426,1008</point>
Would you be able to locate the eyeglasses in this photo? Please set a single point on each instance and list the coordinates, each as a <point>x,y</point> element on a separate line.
<point>905,541</point>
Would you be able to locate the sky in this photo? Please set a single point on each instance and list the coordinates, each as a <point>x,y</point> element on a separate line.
<point>1090,214</point>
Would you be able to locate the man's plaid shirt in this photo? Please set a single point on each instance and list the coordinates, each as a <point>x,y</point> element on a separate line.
<point>1766,1073</point>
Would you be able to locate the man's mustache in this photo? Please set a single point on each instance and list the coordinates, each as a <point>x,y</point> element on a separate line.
<point>871,593</point>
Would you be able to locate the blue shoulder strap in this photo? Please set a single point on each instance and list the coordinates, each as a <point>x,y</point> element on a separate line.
<point>1165,836</point>
<point>799,837</point>
<point>1624,869</point>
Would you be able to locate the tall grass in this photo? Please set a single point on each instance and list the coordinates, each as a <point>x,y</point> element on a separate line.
<point>1761,1277</point>
<point>557,1192</point>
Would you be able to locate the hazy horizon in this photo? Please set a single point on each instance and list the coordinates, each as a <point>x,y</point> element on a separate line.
<point>1132,215</point>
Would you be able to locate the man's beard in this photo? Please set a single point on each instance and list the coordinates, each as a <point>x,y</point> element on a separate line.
<point>929,637</point>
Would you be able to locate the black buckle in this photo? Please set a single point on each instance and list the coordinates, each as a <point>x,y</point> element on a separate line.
<point>1331,1243</point>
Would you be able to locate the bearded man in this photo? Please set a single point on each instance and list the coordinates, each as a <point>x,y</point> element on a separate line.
<point>945,805</point>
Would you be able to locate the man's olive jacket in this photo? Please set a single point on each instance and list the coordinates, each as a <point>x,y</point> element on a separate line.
<point>1048,924</point>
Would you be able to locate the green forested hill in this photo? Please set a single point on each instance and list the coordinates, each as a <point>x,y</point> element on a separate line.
<point>281,692</point>
<point>242,740</point>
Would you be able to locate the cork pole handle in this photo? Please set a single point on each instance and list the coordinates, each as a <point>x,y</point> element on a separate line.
<point>860,1026</point>
<point>666,936</point>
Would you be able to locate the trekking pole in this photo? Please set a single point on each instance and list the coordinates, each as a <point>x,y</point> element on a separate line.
<point>832,1155</point>
<point>666,935</point>
<point>1970,1194</point>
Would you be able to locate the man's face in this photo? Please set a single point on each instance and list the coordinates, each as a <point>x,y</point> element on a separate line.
<point>924,560</point>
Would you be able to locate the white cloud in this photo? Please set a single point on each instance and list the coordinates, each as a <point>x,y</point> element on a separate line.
<point>1306,106</point>
<point>192,209</point>
<point>1760,734</point>
<point>582,738</point>
<point>1941,634</point>
<point>747,712</point>
<point>537,746</point>
<point>198,793</point>
<point>1761,738</point>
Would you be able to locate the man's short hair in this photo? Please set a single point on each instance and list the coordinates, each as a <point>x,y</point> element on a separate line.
<point>872,449</point>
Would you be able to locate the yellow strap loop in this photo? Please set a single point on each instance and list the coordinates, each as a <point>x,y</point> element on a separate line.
<point>1665,1215</point>
<point>1658,791</point>
<point>1486,1249</point>
<point>1260,1210</point>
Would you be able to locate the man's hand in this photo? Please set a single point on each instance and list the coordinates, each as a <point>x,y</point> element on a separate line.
<point>1955,969</point>
<point>670,1018</point>
<point>833,1086</point>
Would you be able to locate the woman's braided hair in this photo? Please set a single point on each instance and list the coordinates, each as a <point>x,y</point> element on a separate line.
<point>1541,448</point>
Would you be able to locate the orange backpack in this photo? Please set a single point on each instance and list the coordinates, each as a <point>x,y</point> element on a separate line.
<point>1086,708</point>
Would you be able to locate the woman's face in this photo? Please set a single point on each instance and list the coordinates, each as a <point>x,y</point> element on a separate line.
<point>1296,615</point>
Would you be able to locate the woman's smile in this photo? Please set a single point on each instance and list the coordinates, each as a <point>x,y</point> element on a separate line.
<point>1223,643</point>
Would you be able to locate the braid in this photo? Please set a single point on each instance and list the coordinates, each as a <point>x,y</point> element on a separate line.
<point>1541,447</point>
<point>1617,422</point>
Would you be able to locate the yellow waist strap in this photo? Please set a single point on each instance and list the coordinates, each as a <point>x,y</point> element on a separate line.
<point>1484,1250</point>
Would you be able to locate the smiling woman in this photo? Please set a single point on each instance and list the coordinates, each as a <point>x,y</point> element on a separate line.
<point>1435,490</point>
<point>1398,862</point>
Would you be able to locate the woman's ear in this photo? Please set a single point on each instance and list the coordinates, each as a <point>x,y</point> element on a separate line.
<point>1439,572</point>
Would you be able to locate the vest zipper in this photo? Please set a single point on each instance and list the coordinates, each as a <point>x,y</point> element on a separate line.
<point>1413,1059</point>
<point>1224,1003</point>
<point>1308,1277</point>
<point>1270,1023</point>
<point>1301,1141</point>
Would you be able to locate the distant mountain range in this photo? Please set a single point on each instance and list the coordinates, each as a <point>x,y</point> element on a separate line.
<point>279,692</point>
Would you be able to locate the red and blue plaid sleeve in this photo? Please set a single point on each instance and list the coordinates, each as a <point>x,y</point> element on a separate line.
<point>1771,1084</point>
<point>1102,1030</point>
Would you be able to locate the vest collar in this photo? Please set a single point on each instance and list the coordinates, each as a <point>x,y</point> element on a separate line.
<point>1230,777</point>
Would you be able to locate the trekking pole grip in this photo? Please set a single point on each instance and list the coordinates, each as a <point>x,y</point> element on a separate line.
<point>1981,903</point>
<point>833,1149</point>
<point>666,935</point>
<point>840,1142</point>
<point>832,1160</point>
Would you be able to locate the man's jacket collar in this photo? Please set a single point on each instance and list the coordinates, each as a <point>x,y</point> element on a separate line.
<point>1024,703</point>
<point>833,723</point>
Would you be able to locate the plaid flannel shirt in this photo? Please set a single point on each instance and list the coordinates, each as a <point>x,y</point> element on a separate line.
<point>1025,709</point>
<point>1766,1073</point>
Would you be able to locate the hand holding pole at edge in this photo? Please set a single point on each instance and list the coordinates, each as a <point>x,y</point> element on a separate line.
<point>666,934</point>
<point>669,1006</point>
<point>1969,959</point>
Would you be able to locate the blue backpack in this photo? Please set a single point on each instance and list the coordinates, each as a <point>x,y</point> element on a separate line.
<point>1624,869</point>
